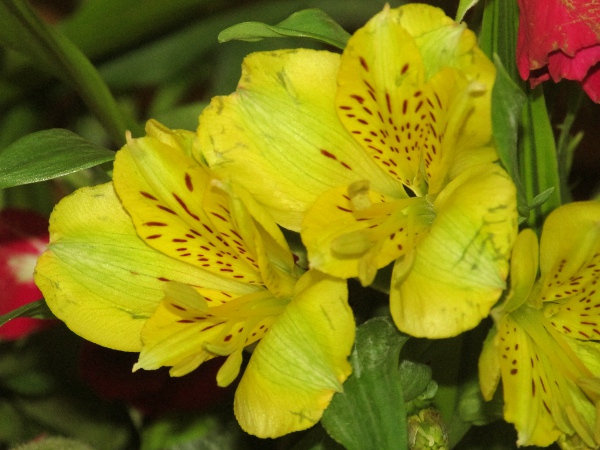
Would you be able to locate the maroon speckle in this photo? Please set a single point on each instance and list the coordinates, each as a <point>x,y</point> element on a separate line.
<point>147,195</point>
<point>328,154</point>
<point>218,216</point>
<point>188,182</point>
<point>358,98</point>
<point>155,224</point>
<point>164,208</point>
<point>363,63</point>
<point>185,207</point>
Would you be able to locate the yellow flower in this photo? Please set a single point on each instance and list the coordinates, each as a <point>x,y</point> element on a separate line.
<point>181,267</point>
<point>383,154</point>
<point>544,345</point>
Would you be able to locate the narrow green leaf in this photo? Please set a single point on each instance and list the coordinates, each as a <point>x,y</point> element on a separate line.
<point>370,412</point>
<point>538,158</point>
<point>499,33</point>
<point>309,23</point>
<point>48,154</point>
<point>540,199</point>
<point>567,143</point>
<point>38,310</point>
<point>463,7</point>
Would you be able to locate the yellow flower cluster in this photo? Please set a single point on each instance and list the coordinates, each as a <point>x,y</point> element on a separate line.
<point>381,155</point>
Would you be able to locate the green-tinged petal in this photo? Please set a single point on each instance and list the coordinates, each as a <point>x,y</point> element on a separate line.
<point>188,329</point>
<point>570,266</point>
<point>177,210</point>
<point>350,232</point>
<point>281,123</point>
<point>523,270</point>
<point>461,264</point>
<point>100,278</point>
<point>300,363</point>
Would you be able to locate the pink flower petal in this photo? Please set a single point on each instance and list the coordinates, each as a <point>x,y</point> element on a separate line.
<point>559,39</point>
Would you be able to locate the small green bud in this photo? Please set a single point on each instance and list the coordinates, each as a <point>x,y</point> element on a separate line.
<point>427,431</point>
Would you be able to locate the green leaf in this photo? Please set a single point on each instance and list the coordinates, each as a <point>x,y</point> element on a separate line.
<point>309,23</point>
<point>370,412</point>
<point>507,103</point>
<point>37,309</point>
<point>48,154</point>
<point>463,7</point>
<point>417,386</point>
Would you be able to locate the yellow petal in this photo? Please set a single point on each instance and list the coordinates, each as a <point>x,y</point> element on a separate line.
<point>489,366</point>
<point>281,123</point>
<point>177,210</point>
<point>100,278</point>
<point>300,363</point>
<point>530,393</point>
<point>461,264</point>
<point>523,270</point>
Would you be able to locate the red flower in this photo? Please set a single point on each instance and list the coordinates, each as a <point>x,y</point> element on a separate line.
<point>560,39</point>
<point>23,238</point>
<point>154,392</point>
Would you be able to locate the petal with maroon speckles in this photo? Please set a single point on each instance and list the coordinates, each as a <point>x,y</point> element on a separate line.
<point>161,184</point>
<point>101,279</point>
<point>281,122</point>
<point>381,79</point>
<point>346,239</point>
<point>570,269</point>
<point>186,329</point>
<point>530,394</point>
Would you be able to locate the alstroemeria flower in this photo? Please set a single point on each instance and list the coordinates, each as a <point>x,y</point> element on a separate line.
<point>383,154</point>
<point>559,39</point>
<point>544,345</point>
<point>180,267</point>
<point>23,238</point>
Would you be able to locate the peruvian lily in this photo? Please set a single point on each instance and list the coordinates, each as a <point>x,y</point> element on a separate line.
<point>182,268</point>
<point>544,345</point>
<point>383,154</point>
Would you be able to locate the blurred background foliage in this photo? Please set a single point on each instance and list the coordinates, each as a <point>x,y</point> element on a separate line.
<point>162,59</point>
